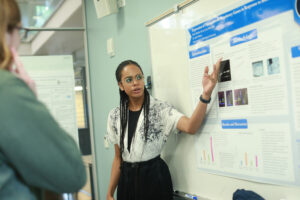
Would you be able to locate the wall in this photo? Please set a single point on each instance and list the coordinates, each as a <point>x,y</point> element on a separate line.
<point>130,35</point>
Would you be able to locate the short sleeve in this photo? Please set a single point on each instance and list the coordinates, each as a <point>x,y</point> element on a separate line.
<point>112,131</point>
<point>171,118</point>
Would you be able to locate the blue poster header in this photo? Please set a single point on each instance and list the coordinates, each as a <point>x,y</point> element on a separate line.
<point>235,124</point>
<point>199,52</point>
<point>244,37</point>
<point>296,51</point>
<point>239,17</point>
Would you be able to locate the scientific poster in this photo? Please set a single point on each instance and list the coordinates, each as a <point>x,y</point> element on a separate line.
<point>55,82</point>
<point>253,125</point>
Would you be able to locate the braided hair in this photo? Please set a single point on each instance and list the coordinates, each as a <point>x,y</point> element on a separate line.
<point>124,104</point>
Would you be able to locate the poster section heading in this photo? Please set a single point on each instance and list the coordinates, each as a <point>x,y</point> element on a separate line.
<point>296,51</point>
<point>235,124</point>
<point>199,52</point>
<point>235,40</point>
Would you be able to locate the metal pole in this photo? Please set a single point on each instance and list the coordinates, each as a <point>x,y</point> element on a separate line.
<point>28,29</point>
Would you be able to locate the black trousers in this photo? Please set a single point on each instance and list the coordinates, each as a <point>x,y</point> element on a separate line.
<point>149,180</point>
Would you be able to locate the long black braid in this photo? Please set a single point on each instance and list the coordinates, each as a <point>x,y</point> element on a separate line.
<point>124,104</point>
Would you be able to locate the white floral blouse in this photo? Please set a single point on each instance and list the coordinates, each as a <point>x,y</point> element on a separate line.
<point>163,120</point>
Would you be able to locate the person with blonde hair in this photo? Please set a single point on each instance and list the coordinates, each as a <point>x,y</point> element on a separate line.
<point>36,154</point>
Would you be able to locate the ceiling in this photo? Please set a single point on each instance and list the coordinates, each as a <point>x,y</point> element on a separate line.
<point>62,42</point>
<point>35,13</point>
<point>62,13</point>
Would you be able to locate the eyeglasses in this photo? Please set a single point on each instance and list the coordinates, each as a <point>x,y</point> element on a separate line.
<point>20,28</point>
<point>10,28</point>
<point>138,77</point>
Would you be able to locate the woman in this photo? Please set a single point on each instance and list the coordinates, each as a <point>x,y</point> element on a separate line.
<point>139,128</point>
<point>36,154</point>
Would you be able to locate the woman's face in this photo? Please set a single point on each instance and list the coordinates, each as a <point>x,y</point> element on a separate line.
<point>132,81</point>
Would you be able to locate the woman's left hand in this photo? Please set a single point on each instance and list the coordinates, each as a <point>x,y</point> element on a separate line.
<point>209,81</point>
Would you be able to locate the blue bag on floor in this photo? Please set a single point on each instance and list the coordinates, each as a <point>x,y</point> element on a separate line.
<point>246,195</point>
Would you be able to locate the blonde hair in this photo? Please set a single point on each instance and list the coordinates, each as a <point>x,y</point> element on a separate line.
<point>10,16</point>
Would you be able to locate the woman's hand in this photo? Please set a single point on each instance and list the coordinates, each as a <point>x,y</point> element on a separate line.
<point>209,81</point>
<point>109,197</point>
<point>20,71</point>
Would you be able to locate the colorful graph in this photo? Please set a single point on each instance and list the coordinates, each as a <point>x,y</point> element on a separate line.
<point>208,152</point>
<point>249,161</point>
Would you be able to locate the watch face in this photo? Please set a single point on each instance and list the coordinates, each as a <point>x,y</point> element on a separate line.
<point>225,73</point>
<point>205,100</point>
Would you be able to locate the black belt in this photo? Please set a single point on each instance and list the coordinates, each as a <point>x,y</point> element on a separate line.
<point>140,164</point>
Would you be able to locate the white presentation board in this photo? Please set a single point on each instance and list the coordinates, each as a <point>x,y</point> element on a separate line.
<point>251,130</point>
<point>55,82</point>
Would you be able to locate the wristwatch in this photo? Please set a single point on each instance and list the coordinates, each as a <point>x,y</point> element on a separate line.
<point>204,100</point>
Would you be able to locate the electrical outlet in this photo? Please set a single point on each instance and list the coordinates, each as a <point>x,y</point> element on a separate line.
<point>121,3</point>
<point>110,47</point>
